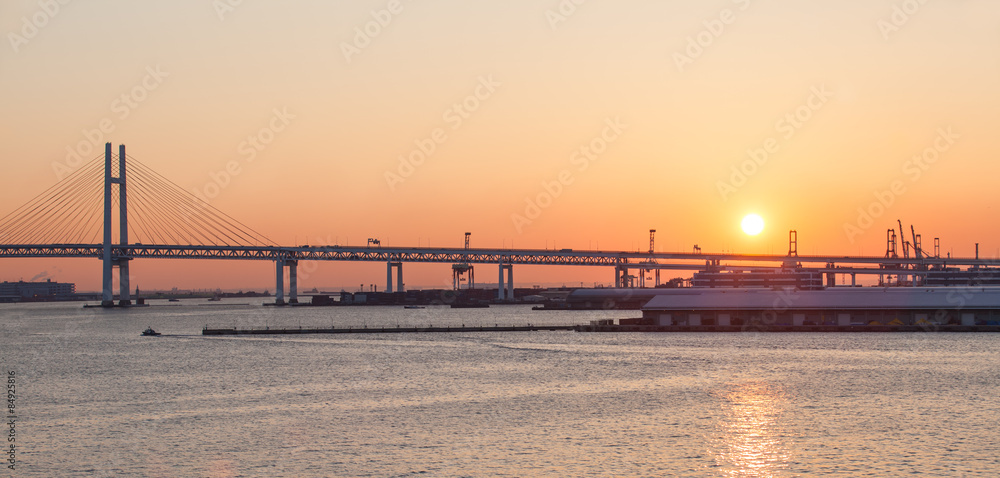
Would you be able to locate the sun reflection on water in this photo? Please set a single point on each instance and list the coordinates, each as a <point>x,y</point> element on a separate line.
<point>750,441</point>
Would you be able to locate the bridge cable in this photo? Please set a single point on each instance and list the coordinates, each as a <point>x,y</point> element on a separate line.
<point>44,194</point>
<point>212,212</point>
<point>227,225</point>
<point>35,215</point>
<point>190,226</point>
<point>58,225</point>
<point>28,219</point>
<point>154,210</point>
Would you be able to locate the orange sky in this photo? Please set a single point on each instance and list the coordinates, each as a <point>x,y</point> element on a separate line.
<point>674,94</point>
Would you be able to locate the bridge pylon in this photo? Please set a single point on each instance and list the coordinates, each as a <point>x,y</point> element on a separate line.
<point>109,259</point>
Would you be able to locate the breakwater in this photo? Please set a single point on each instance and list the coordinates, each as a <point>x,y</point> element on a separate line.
<point>384,330</point>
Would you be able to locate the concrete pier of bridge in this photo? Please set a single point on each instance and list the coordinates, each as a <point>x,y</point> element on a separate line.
<point>388,276</point>
<point>507,294</point>
<point>293,281</point>
<point>279,281</point>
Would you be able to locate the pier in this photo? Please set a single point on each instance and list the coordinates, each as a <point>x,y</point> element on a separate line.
<point>386,330</point>
<point>610,329</point>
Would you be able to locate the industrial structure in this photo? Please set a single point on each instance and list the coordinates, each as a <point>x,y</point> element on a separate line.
<point>841,307</point>
<point>459,271</point>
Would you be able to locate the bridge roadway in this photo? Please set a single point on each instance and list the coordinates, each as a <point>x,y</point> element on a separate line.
<point>568,257</point>
<point>394,257</point>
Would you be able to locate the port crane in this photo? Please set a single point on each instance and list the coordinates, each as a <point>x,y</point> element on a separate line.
<point>916,246</point>
<point>643,272</point>
<point>459,270</point>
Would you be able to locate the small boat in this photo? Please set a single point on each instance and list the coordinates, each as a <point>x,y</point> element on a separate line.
<point>149,332</point>
<point>215,299</point>
<point>413,307</point>
<point>173,300</point>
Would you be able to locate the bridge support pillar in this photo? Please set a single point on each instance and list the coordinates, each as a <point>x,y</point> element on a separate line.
<point>508,292</point>
<point>500,289</point>
<point>107,284</point>
<point>510,282</point>
<point>124,297</point>
<point>279,280</point>
<point>388,276</point>
<point>123,290</point>
<point>293,282</point>
<point>399,277</point>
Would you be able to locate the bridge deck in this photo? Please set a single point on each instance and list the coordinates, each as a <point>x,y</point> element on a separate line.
<point>452,255</point>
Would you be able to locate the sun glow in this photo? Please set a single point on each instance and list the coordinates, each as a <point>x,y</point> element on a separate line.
<point>753,224</point>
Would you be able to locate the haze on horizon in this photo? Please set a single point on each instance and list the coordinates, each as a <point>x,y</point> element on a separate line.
<point>533,124</point>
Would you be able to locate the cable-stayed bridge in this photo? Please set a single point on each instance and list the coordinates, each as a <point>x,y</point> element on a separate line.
<point>157,219</point>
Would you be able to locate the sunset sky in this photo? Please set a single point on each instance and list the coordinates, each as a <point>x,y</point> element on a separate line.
<point>550,124</point>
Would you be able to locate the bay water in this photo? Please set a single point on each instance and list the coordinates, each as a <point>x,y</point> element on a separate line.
<point>94,398</point>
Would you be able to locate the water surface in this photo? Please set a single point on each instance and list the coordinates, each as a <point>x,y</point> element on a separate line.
<point>95,398</point>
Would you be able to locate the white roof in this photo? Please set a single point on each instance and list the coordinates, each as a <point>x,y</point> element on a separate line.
<point>834,298</point>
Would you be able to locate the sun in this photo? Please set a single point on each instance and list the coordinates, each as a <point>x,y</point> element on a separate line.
<point>752,224</point>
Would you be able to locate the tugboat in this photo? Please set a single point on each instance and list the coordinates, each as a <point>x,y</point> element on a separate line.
<point>149,332</point>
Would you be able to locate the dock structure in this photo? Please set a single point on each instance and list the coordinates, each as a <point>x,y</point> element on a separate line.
<point>608,326</point>
<point>897,308</point>
<point>762,327</point>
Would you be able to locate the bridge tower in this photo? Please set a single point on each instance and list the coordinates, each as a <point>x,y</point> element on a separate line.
<point>110,261</point>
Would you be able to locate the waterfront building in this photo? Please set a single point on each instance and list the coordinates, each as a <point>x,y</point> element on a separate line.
<point>28,290</point>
